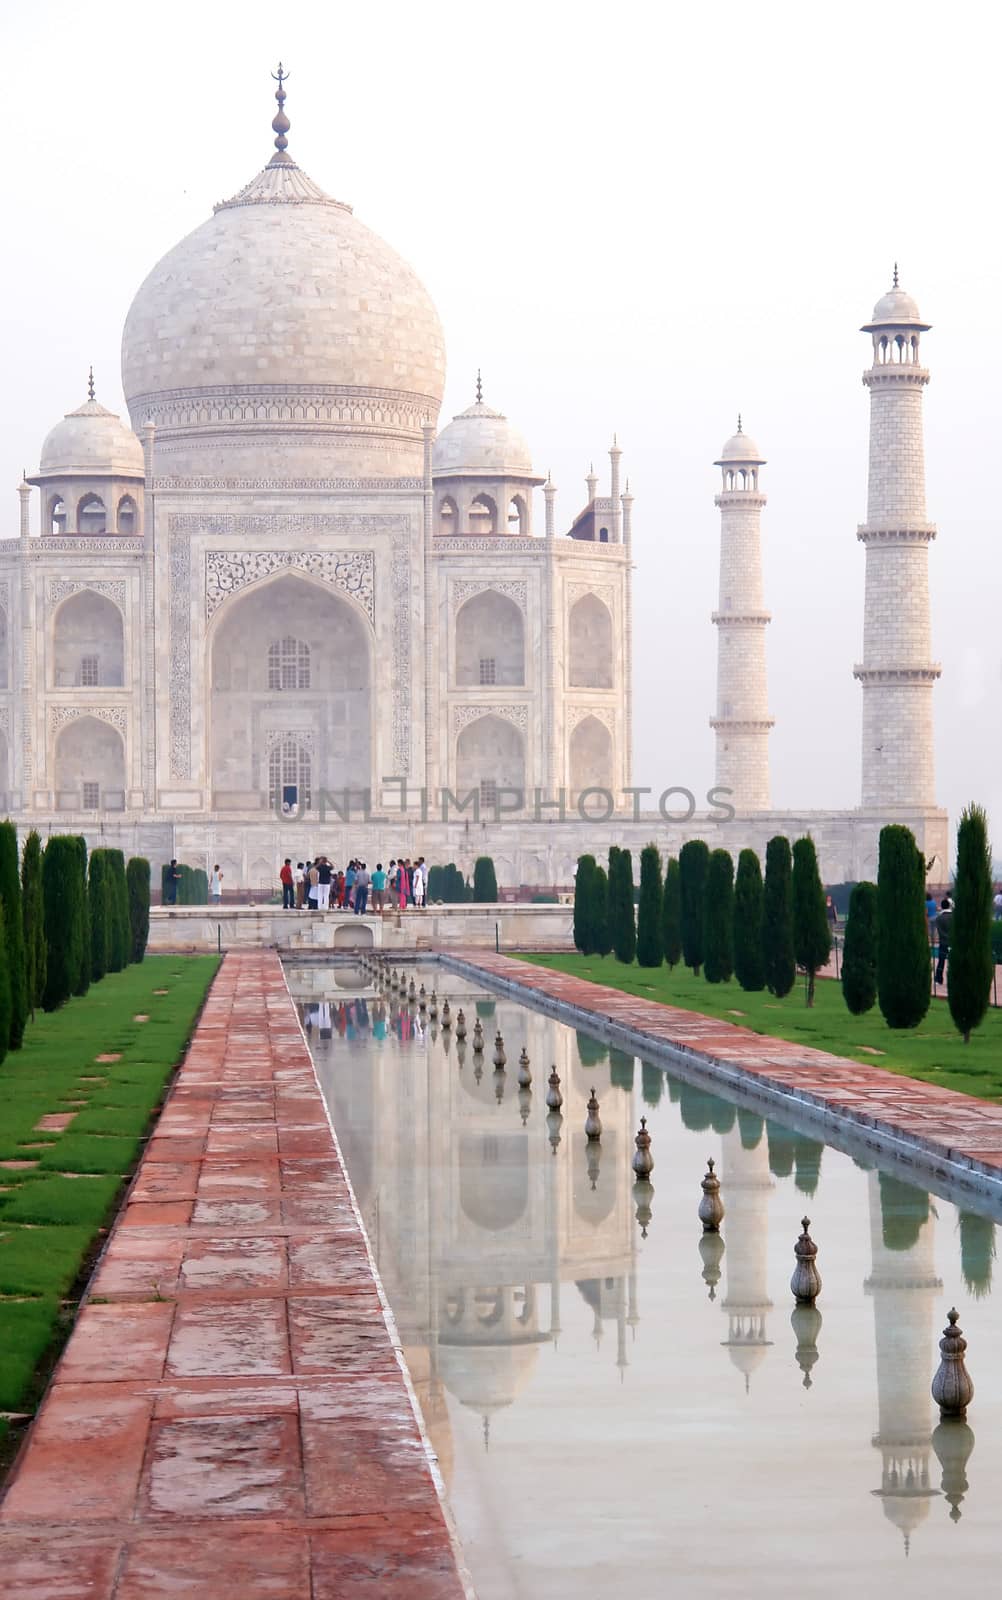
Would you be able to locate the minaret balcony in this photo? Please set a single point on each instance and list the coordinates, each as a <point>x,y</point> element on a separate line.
<point>916,675</point>
<point>892,373</point>
<point>747,617</point>
<point>739,725</point>
<point>745,498</point>
<point>896,533</point>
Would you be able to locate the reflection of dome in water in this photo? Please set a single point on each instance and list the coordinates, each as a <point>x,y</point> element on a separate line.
<point>487,1377</point>
<point>905,1493</point>
<point>493,1178</point>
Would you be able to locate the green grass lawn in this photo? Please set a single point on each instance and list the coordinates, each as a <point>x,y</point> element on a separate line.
<point>933,1051</point>
<point>52,1213</point>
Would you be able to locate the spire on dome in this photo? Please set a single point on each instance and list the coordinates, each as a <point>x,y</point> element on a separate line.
<point>280,122</point>
<point>895,283</point>
<point>90,384</point>
<point>480,389</point>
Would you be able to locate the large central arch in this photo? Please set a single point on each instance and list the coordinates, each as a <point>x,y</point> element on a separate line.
<point>290,696</point>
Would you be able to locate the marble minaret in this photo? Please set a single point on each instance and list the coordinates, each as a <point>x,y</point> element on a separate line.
<point>897,672</point>
<point>742,721</point>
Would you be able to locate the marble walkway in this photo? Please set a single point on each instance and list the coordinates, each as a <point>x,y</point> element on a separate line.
<point>952,1134</point>
<point>231,1416</point>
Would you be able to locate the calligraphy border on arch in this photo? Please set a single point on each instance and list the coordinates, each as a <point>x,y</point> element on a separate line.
<point>463,589</point>
<point>117,716</point>
<point>351,571</point>
<point>57,589</point>
<point>462,716</point>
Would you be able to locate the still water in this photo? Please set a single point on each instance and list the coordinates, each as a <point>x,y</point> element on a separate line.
<point>631,1407</point>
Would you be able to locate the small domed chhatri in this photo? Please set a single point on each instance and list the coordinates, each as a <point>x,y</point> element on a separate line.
<point>896,309</point>
<point>481,440</point>
<point>88,440</point>
<point>740,449</point>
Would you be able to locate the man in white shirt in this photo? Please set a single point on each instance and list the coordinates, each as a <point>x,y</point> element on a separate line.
<point>419,882</point>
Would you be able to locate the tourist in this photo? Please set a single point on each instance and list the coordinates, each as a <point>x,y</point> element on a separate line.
<point>338,890</point>
<point>931,911</point>
<point>172,878</point>
<point>288,888</point>
<point>403,884</point>
<point>299,883</point>
<point>997,903</point>
<point>832,911</point>
<point>324,876</point>
<point>944,923</point>
<point>313,884</point>
<point>216,887</point>
<point>418,883</point>
<point>378,887</point>
<point>362,881</point>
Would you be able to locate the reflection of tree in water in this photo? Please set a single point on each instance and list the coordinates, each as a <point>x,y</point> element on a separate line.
<point>977,1252</point>
<point>591,1052</point>
<point>701,1110</point>
<point>751,1127</point>
<point>782,1149</point>
<point>620,1069</point>
<point>904,1210</point>
<point>652,1083</point>
<point>807,1155</point>
<point>485,1008</point>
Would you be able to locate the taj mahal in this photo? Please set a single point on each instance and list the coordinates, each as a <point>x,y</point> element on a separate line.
<point>282,580</point>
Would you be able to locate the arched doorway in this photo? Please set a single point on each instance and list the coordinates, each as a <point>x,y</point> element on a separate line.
<point>290,709</point>
<point>490,756</point>
<point>589,640</point>
<point>89,766</point>
<point>88,643</point>
<point>590,756</point>
<point>490,641</point>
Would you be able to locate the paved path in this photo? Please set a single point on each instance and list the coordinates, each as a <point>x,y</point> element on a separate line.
<point>231,1416</point>
<point>955,1134</point>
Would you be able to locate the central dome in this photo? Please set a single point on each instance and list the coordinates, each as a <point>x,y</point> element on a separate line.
<point>283,338</point>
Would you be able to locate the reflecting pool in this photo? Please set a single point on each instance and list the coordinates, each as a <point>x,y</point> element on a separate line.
<point>622,1405</point>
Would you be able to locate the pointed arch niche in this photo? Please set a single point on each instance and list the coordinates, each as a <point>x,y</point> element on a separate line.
<point>490,641</point>
<point>290,671</point>
<point>589,644</point>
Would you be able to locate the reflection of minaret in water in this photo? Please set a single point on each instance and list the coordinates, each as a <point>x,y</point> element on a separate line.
<point>745,1185</point>
<point>904,1286</point>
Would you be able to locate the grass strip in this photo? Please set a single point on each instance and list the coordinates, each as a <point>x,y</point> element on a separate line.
<point>54,1209</point>
<point>933,1052</point>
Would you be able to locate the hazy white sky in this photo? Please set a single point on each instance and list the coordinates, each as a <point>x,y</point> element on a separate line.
<point>635,218</point>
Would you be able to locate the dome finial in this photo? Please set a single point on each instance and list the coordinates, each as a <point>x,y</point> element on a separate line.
<point>90,384</point>
<point>480,389</point>
<point>280,121</point>
<point>895,283</point>
<point>740,429</point>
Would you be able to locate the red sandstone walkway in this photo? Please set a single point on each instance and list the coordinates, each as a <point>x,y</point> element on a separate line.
<point>942,1124</point>
<point>230,1417</point>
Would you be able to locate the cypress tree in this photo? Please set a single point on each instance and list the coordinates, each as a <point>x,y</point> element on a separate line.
<point>693,861</point>
<point>584,933</point>
<point>650,950</point>
<point>622,919</point>
<point>33,913</point>
<point>902,929</point>
<point>120,936</point>
<point>13,920</point>
<point>61,892</point>
<point>434,884</point>
<point>812,939</point>
<point>777,918</point>
<point>718,918</point>
<point>82,935</point>
<point>5,1001</point>
<point>970,967</point>
<point>138,879</point>
<point>671,914</point>
<point>600,912</point>
<point>99,905</point>
<point>749,962</point>
<point>859,954</point>
<point>485,883</point>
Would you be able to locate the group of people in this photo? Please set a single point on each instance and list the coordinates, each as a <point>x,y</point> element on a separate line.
<point>318,885</point>
<point>940,922</point>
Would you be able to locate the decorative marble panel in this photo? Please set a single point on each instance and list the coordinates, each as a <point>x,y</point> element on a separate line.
<point>461,591</point>
<point>118,716</point>
<point>462,716</point>
<point>351,571</point>
<point>603,714</point>
<point>601,591</point>
<point>57,589</point>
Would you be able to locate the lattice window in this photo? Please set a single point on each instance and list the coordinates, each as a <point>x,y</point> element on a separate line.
<point>288,664</point>
<point>88,671</point>
<point>289,767</point>
<point>92,797</point>
<point>488,792</point>
<point>488,669</point>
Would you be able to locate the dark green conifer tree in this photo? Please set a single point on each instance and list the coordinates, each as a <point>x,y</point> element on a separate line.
<point>584,903</point>
<point>671,914</point>
<point>13,928</point>
<point>812,938</point>
<point>485,883</point>
<point>859,952</point>
<point>82,939</point>
<point>902,929</point>
<point>600,912</point>
<point>138,878</point>
<point>650,951</point>
<point>971,965</point>
<point>622,916</point>
<point>99,906</point>
<point>693,861</point>
<point>718,918</point>
<point>777,918</point>
<point>63,919</point>
<point>749,962</point>
<point>33,912</point>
